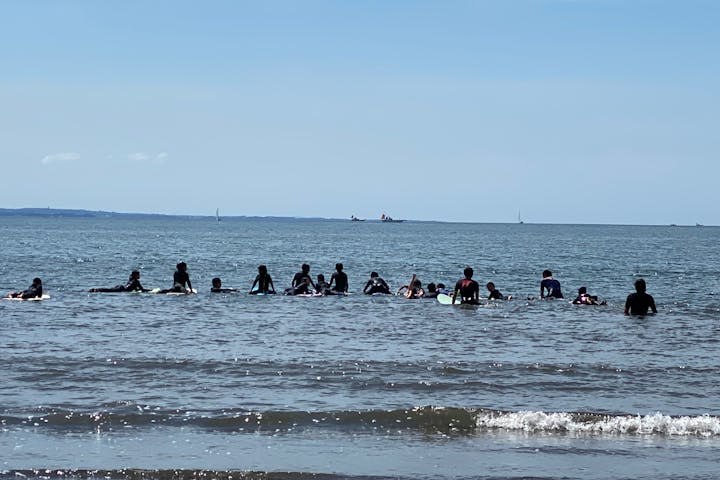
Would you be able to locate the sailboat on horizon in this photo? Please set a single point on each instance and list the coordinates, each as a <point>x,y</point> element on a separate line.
<point>217,214</point>
<point>520,221</point>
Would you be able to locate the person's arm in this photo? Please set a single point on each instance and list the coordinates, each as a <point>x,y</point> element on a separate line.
<point>332,279</point>
<point>365,288</point>
<point>652,304</point>
<point>627,305</point>
<point>542,290</point>
<point>254,283</point>
<point>454,295</point>
<point>189,284</point>
<point>270,284</point>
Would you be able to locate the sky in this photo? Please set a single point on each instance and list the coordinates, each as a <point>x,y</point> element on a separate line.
<point>567,111</point>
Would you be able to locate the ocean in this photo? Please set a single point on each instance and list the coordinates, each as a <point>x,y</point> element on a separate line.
<point>360,387</point>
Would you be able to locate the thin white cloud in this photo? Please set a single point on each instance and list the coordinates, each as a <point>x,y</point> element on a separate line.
<point>60,157</point>
<point>143,157</point>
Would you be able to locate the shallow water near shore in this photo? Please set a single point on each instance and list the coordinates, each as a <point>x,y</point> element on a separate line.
<point>127,385</point>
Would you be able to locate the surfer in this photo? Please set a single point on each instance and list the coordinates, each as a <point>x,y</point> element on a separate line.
<point>33,291</point>
<point>181,280</point>
<point>442,289</point>
<point>340,279</point>
<point>431,291</point>
<point>468,288</point>
<point>301,282</point>
<point>263,281</point>
<point>322,287</point>
<point>133,285</point>
<point>551,285</point>
<point>376,285</point>
<point>416,291</point>
<point>495,294</point>
<point>584,298</point>
<point>639,302</point>
<point>218,288</point>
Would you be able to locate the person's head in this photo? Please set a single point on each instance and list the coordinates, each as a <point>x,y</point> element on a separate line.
<point>182,266</point>
<point>339,267</point>
<point>305,268</point>
<point>490,286</point>
<point>582,291</point>
<point>431,287</point>
<point>321,277</point>
<point>135,274</point>
<point>262,269</point>
<point>216,282</point>
<point>374,275</point>
<point>440,285</point>
<point>417,284</point>
<point>547,273</point>
<point>37,281</point>
<point>640,285</point>
<point>468,272</point>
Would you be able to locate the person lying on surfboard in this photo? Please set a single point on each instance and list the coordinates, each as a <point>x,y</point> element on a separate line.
<point>33,291</point>
<point>468,289</point>
<point>584,298</point>
<point>133,285</point>
<point>218,288</point>
<point>181,280</point>
<point>263,281</point>
<point>376,285</point>
<point>495,294</point>
<point>416,290</point>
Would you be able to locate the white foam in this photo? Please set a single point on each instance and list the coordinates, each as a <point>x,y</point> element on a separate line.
<point>656,424</point>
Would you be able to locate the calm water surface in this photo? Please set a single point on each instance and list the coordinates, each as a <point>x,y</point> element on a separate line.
<point>358,386</point>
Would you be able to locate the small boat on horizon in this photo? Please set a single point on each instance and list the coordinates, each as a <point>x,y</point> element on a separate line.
<point>356,219</point>
<point>386,218</point>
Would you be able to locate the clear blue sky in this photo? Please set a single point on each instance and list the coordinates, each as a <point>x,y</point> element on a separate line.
<point>572,111</point>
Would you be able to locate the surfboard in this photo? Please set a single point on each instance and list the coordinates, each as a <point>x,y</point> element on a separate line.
<point>194,290</point>
<point>34,299</point>
<point>446,299</point>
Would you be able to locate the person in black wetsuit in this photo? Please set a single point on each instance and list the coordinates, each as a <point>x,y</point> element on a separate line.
<point>585,298</point>
<point>133,285</point>
<point>218,288</point>
<point>495,294</point>
<point>551,285</point>
<point>181,280</point>
<point>376,285</point>
<point>468,289</point>
<point>301,282</point>
<point>263,281</point>
<point>33,291</point>
<point>340,279</point>
<point>639,302</point>
<point>431,291</point>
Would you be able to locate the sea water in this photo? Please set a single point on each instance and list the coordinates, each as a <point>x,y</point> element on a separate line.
<point>126,385</point>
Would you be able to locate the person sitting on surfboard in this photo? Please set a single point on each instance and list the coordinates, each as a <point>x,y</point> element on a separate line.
<point>376,285</point>
<point>340,279</point>
<point>468,288</point>
<point>416,291</point>
<point>33,291</point>
<point>551,285</point>
<point>301,282</point>
<point>584,298</point>
<point>181,280</point>
<point>133,285</point>
<point>218,288</point>
<point>263,281</point>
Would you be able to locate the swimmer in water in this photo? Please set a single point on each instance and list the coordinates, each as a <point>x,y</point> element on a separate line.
<point>218,288</point>
<point>550,285</point>
<point>584,298</point>
<point>639,302</point>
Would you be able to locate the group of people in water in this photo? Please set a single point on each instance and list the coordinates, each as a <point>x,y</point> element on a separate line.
<point>466,291</point>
